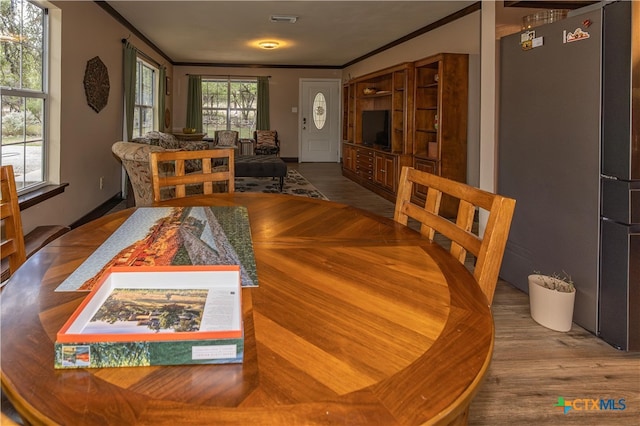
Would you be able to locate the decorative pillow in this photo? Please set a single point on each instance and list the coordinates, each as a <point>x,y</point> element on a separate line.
<point>227,138</point>
<point>193,145</point>
<point>266,137</point>
<point>165,140</point>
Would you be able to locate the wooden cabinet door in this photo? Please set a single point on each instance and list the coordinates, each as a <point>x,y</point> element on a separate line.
<point>385,171</point>
<point>349,157</point>
<point>428,166</point>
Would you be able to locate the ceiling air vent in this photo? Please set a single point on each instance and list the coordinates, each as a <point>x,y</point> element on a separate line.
<point>283,18</point>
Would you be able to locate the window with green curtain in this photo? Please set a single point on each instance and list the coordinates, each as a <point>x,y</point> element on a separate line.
<point>144,90</point>
<point>146,100</point>
<point>229,104</point>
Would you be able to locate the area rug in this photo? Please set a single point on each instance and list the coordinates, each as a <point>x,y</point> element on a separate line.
<point>294,184</point>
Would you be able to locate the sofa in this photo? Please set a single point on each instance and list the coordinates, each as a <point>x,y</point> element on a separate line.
<point>135,158</point>
<point>169,141</point>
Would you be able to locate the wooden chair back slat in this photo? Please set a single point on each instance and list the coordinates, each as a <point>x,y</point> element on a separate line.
<point>487,249</point>
<point>216,167</point>
<point>12,246</point>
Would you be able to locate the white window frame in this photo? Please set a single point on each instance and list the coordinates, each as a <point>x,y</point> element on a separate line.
<point>43,94</point>
<point>248,131</point>
<point>140,107</point>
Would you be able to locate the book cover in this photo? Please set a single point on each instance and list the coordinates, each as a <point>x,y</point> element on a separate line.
<point>148,353</point>
<point>162,236</point>
<point>156,316</point>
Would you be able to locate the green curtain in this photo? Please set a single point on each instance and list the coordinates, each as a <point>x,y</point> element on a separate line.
<point>129,78</point>
<point>194,103</point>
<point>262,113</point>
<point>162,89</point>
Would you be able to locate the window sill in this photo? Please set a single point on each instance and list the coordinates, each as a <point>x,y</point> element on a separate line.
<point>39,195</point>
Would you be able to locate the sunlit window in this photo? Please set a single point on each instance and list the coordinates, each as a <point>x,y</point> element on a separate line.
<point>146,99</point>
<point>23,90</point>
<point>229,104</point>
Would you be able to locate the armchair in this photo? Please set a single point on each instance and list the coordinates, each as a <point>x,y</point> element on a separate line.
<point>230,138</point>
<point>266,142</point>
<point>135,158</point>
<point>226,139</point>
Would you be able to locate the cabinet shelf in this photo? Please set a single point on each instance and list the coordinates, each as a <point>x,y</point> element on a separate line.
<point>424,156</point>
<point>375,95</point>
<point>440,126</point>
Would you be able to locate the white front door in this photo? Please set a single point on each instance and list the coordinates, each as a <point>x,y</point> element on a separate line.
<point>319,120</point>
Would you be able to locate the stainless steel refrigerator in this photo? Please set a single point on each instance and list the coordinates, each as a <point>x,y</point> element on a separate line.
<point>569,153</point>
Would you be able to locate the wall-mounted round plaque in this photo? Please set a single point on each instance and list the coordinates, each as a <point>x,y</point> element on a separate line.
<point>96,84</point>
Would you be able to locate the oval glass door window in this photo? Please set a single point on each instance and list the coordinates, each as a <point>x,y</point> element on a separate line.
<point>319,110</point>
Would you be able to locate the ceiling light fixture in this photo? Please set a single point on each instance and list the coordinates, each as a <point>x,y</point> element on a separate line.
<point>283,18</point>
<point>269,44</point>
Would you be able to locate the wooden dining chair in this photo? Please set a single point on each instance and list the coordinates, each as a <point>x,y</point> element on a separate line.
<point>487,249</point>
<point>17,247</point>
<point>12,246</point>
<point>169,179</point>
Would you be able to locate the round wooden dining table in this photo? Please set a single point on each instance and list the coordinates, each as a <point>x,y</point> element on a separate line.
<point>356,320</point>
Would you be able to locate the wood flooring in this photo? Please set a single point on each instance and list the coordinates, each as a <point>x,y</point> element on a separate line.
<point>532,366</point>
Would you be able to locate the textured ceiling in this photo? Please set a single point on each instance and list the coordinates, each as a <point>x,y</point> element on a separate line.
<point>327,33</point>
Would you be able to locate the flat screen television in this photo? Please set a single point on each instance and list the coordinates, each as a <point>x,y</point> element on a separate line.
<point>376,129</point>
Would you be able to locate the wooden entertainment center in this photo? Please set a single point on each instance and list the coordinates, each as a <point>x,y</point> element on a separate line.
<point>427,104</point>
